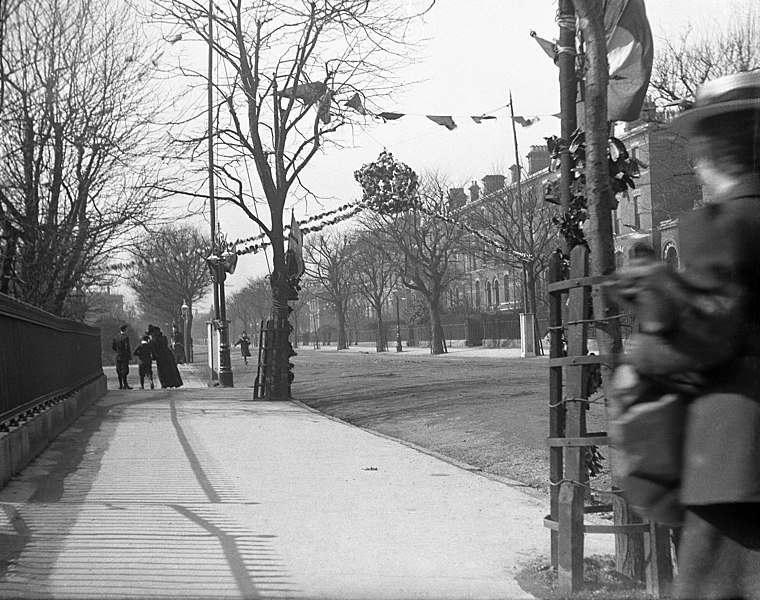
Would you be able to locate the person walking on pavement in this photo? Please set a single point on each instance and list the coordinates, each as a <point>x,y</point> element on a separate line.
<point>144,353</point>
<point>699,344</point>
<point>178,345</point>
<point>245,346</point>
<point>121,346</point>
<point>168,373</point>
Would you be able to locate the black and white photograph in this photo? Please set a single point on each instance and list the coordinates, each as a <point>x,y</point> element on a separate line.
<point>380,299</point>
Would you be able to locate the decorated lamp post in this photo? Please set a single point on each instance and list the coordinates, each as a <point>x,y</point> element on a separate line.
<point>186,333</point>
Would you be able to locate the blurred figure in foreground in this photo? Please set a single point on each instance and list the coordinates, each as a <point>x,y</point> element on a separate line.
<point>687,399</point>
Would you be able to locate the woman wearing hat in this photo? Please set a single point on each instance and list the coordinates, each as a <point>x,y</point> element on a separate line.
<point>700,338</point>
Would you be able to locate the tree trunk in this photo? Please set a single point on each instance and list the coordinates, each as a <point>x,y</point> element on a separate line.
<point>280,378</point>
<point>436,329</point>
<point>382,343</point>
<point>598,230</point>
<point>342,339</point>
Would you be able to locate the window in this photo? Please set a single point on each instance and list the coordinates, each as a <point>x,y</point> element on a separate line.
<point>496,299</point>
<point>489,299</point>
<point>506,288</point>
<point>477,294</point>
<point>636,215</point>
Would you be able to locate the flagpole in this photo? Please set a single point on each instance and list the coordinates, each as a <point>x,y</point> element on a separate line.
<point>526,308</point>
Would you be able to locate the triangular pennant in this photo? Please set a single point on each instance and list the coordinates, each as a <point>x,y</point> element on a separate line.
<point>482,118</point>
<point>390,116</point>
<point>308,93</point>
<point>445,121</point>
<point>525,122</point>
<point>356,103</point>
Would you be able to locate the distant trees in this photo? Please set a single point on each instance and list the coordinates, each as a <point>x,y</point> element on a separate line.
<point>250,305</point>
<point>329,267</point>
<point>424,247</point>
<point>77,144</point>
<point>375,272</point>
<point>682,63</point>
<point>171,271</point>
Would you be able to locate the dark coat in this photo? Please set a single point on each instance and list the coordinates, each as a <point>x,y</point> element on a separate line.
<point>713,338</point>
<point>721,249</point>
<point>168,374</point>
<point>121,346</point>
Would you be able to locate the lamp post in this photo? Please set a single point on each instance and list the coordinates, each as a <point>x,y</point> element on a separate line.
<point>398,326</point>
<point>188,341</point>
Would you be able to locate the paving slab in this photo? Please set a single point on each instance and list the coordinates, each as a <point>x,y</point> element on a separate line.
<point>204,493</point>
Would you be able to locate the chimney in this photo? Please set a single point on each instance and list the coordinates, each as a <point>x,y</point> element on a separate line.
<point>474,192</point>
<point>538,159</point>
<point>493,183</point>
<point>457,198</point>
<point>513,173</point>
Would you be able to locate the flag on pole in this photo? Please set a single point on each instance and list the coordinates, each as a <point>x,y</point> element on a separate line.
<point>294,258</point>
<point>549,47</point>
<point>629,54</point>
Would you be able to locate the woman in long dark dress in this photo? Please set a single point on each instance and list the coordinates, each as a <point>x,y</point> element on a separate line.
<point>168,373</point>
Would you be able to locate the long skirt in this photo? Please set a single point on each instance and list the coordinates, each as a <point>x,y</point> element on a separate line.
<point>719,553</point>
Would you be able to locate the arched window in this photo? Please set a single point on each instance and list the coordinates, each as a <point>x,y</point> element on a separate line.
<point>618,260</point>
<point>506,288</point>
<point>477,294</point>
<point>456,295</point>
<point>488,294</point>
<point>496,299</point>
<point>671,256</point>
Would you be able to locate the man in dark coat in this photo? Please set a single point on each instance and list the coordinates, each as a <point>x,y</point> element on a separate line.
<point>703,324</point>
<point>121,346</point>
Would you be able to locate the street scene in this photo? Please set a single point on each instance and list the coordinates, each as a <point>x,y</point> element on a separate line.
<point>379,299</point>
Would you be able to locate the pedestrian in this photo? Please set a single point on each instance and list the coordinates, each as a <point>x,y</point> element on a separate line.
<point>120,345</point>
<point>178,345</point>
<point>245,346</point>
<point>145,354</point>
<point>697,354</point>
<point>168,373</point>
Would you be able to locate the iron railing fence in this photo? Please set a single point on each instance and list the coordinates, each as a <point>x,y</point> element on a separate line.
<point>42,357</point>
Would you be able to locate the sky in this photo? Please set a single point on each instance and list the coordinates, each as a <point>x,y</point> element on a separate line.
<point>477,52</point>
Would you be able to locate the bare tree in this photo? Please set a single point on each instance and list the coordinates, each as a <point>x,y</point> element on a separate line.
<point>426,246</point>
<point>294,73</point>
<point>375,274</point>
<point>76,141</point>
<point>683,63</point>
<point>250,305</point>
<point>526,239</point>
<point>329,265</point>
<point>172,271</point>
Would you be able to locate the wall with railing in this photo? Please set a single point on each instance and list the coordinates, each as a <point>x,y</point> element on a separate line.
<point>42,357</point>
<point>497,330</point>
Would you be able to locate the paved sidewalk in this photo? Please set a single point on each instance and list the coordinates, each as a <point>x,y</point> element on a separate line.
<point>203,493</point>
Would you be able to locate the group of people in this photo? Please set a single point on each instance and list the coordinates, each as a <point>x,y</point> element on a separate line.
<point>153,346</point>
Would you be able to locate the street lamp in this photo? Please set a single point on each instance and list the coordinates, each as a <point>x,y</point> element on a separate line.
<point>398,327</point>
<point>188,341</point>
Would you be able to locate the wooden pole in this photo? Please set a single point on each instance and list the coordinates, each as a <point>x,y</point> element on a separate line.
<point>526,308</point>
<point>568,91</point>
